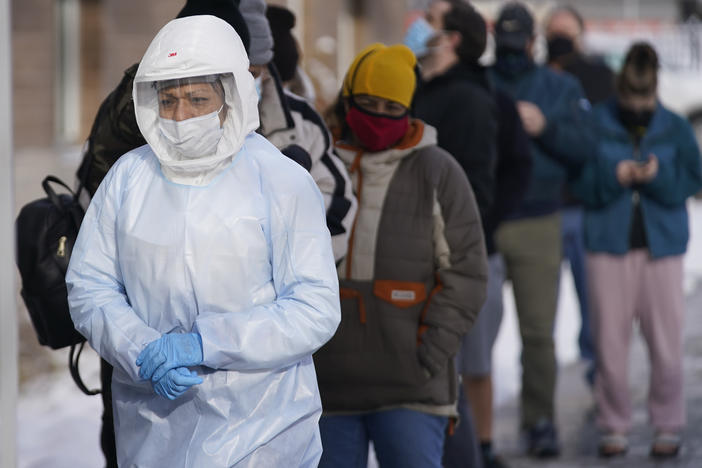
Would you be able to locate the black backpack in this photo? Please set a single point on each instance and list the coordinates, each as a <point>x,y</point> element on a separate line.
<point>46,231</point>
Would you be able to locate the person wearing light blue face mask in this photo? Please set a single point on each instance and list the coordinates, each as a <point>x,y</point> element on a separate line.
<point>418,35</point>
<point>457,98</point>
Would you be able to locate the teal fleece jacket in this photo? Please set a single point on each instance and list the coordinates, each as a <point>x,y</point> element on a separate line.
<point>608,205</point>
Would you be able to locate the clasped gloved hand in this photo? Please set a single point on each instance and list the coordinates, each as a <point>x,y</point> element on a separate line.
<point>176,382</point>
<point>170,351</point>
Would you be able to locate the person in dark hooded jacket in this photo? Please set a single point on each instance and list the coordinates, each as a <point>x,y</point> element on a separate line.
<point>553,110</point>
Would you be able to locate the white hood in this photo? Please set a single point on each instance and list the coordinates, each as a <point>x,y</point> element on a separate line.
<point>196,46</point>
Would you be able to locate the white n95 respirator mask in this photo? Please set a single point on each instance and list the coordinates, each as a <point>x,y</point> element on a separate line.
<point>193,138</point>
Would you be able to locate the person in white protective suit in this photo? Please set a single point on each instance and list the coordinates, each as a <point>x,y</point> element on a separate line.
<point>203,271</point>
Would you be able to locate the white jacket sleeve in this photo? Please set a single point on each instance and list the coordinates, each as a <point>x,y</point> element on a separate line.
<point>333,180</point>
<point>306,311</point>
<point>328,172</point>
<point>98,303</point>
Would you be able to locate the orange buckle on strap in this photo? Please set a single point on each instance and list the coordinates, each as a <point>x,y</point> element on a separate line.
<point>422,327</point>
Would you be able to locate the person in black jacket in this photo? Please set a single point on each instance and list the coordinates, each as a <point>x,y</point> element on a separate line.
<point>564,33</point>
<point>455,95</point>
<point>483,131</point>
<point>474,359</point>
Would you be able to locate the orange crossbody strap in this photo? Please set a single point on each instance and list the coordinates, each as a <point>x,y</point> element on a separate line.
<point>348,293</point>
<point>422,327</point>
<point>356,166</point>
<point>451,428</point>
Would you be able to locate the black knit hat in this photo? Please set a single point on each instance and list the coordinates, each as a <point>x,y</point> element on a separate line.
<point>227,10</point>
<point>285,53</point>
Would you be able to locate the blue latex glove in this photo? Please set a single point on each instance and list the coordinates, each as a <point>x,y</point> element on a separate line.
<point>176,382</point>
<point>168,352</point>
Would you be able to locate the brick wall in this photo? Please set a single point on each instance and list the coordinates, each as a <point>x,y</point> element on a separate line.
<point>33,72</point>
<point>115,34</point>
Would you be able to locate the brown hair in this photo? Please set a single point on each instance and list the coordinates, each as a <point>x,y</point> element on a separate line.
<point>466,20</point>
<point>639,74</point>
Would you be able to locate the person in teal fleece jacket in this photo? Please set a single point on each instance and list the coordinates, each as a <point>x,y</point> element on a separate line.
<point>646,164</point>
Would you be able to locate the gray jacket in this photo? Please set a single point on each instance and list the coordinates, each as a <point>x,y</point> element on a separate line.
<point>412,283</point>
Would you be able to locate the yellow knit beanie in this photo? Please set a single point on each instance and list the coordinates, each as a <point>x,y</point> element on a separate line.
<point>383,71</point>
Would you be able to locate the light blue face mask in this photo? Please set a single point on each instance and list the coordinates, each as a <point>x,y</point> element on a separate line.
<point>417,36</point>
<point>258,83</point>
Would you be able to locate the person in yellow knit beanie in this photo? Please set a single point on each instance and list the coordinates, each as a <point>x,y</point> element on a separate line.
<point>378,91</point>
<point>411,284</point>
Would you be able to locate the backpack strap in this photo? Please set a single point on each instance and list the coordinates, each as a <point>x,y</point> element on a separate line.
<point>73,357</point>
<point>51,193</point>
<point>74,209</point>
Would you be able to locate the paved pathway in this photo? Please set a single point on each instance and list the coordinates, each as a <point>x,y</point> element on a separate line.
<point>575,409</point>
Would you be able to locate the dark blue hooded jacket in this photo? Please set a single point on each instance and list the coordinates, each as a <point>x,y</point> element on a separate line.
<point>563,146</point>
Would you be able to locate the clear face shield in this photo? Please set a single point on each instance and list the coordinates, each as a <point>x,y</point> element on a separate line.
<point>192,112</point>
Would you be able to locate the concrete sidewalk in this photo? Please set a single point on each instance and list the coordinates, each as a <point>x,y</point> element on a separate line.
<point>575,410</point>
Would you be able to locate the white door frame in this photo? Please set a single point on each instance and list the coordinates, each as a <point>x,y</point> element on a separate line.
<point>8,306</point>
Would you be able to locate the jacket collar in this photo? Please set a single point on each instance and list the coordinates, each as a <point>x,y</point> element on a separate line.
<point>473,73</point>
<point>274,110</point>
<point>608,120</point>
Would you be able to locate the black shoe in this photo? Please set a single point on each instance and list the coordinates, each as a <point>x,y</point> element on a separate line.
<point>542,440</point>
<point>490,460</point>
<point>590,374</point>
<point>493,461</point>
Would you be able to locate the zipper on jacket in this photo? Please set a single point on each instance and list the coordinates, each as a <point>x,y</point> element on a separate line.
<point>635,198</point>
<point>356,166</point>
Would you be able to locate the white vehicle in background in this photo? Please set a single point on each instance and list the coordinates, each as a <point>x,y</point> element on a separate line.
<point>681,91</point>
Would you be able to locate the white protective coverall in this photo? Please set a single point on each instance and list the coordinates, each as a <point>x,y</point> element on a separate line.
<point>232,246</point>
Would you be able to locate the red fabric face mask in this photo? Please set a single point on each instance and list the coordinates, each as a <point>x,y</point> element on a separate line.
<point>376,132</point>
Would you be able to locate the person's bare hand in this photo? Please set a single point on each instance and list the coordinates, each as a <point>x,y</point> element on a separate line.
<point>625,172</point>
<point>645,173</point>
<point>532,118</point>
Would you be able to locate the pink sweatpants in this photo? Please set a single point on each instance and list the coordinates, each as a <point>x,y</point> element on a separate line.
<point>624,288</point>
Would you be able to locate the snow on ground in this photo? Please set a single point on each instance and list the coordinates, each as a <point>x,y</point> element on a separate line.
<point>59,426</point>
